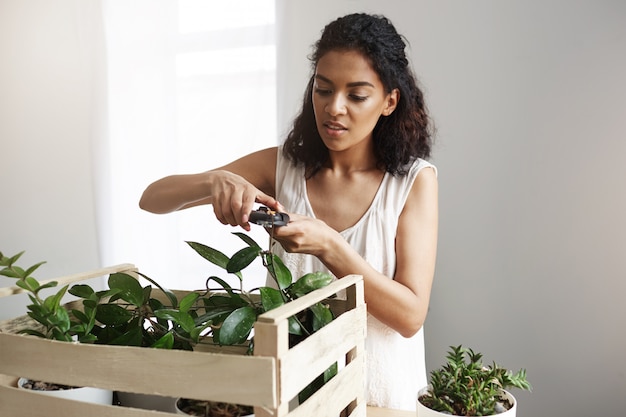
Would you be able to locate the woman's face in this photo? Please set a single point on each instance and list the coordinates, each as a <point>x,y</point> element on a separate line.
<point>348,99</point>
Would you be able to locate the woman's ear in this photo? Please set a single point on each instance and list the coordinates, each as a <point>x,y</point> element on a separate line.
<point>391,102</point>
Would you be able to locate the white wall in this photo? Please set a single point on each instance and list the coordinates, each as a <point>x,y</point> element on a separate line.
<point>530,102</point>
<point>46,197</point>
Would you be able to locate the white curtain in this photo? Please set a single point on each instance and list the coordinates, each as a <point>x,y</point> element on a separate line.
<point>189,85</point>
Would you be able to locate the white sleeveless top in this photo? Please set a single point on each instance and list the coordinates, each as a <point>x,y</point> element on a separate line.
<point>396,367</point>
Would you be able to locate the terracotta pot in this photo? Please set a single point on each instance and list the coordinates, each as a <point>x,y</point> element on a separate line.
<point>85,394</point>
<point>423,411</point>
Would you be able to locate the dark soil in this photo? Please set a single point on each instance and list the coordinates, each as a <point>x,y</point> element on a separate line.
<point>45,386</point>
<point>213,409</point>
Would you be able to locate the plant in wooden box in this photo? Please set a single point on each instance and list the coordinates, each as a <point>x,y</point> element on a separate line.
<point>466,387</point>
<point>54,323</point>
<point>124,314</point>
<point>129,314</point>
<point>232,312</point>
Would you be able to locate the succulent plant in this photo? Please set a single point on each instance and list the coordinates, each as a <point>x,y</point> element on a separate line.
<point>466,387</point>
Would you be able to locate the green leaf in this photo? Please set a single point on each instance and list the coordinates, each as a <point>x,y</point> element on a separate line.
<point>15,257</point>
<point>53,302</point>
<point>32,269</point>
<point>237,326</point>
<point>87,338</point>
<point>112,314</point>
<point>130,289</point>
<point>317,383</point>
<point>8,272</point>
<point>147,291</point>
<point>39,311</point>
<point>82,317</point>
<point>82,291</point>
<point>321,316</point>
<point>184,320</point>
<point>271,298</point>
<point>310,282</point>
<point>251,242</point>
<point>235,299</point>
<point>18,272</point>
<point>165,342</point>
<point>214,316</point>
<point>195,333</point>
<point>62,320</point>
<point>242,259</point>
<point>133,337</point>
<point>32,284</point>
<point>280,272</point>
<point>50,284</point>
<point>23,285</point>
<point>188,301</point>
<point>294,326</point>
<point>330,372</point>
<point>212,255</point>
<point>218,300</point>
<point>32,333</point>
<point>170,295</point>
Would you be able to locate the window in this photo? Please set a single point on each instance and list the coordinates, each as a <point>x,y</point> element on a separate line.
<point>191,85</point>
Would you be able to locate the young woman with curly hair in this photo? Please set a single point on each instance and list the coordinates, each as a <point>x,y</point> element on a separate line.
<point>362,199</point>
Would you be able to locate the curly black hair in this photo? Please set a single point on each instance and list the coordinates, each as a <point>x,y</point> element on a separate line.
<point>401,137</point>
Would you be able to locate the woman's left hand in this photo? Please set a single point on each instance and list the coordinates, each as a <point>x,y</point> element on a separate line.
<point>304,234</point>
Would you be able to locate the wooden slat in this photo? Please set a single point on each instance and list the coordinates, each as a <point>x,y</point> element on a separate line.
<point>272,340</point>
<point>29,404</point>
<point>336,394</point>
<point>26,403</point>
<point>239,379</point>
<point>75,278</point>
<point>323,348</point>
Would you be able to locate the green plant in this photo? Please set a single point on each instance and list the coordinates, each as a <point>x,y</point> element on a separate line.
<point>232,312</point>
<point>48,312</point>
<point>128,314</point>
<point>125,314</point>
<point>466,387</point>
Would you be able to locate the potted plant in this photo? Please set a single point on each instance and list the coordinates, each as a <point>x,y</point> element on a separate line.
<point>466,387</point>
<point>54,323</point>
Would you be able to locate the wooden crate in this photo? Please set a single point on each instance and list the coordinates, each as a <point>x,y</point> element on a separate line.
<point>267,380</point>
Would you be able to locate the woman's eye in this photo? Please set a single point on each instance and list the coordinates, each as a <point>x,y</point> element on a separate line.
<point>323,92</point>
<point>357,97</point>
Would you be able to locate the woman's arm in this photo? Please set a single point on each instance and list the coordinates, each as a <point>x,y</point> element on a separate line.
<point>232,189</point>
<point>401,303</point>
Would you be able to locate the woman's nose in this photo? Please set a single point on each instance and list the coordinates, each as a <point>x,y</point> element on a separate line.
<point>336,105</point>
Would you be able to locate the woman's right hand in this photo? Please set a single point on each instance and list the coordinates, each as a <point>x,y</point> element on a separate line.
<point>233,199</point>
<point>232,189</point>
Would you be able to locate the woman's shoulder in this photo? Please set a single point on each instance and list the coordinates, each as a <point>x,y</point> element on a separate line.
<point>414,167</point>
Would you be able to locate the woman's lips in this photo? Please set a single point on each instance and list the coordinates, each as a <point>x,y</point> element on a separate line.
<point>334,129</point>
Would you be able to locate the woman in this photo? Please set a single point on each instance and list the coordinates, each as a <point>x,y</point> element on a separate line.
<point>361,198</point>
